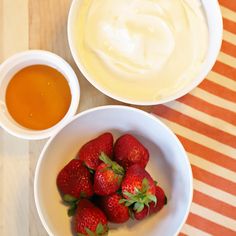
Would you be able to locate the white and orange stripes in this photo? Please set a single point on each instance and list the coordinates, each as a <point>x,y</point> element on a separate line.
<point>205,122</point>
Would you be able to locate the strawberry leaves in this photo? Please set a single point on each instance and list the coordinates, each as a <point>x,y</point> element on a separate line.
<point>72,202</point>
<point>119,170</point>
<point>71,211</point>
<point>100,231</point>
<point>139,198</point>
<point>89,232</point>
<point>68,198</point>
<point>138,207</point>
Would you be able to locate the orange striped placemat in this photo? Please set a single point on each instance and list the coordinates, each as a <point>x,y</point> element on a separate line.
<point>205,122</point>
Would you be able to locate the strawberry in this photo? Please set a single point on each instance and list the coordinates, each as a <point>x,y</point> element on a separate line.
<point>142,214</point>
<point>108,176</point>
<point>84,203</point>
<point>129,151</point>
<point>138,188</point>
<point>74,181</point>
<point>116,212</point>
<point>161,200</point>
<point>89,220</point>
<point>90,152</point>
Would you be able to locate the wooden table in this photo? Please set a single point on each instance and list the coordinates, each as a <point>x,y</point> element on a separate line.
<point>41,24</point>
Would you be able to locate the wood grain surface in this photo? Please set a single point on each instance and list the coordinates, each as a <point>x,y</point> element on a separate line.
<point>32,24</point>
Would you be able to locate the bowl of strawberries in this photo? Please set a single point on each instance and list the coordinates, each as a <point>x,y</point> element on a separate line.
<point>113,170</point>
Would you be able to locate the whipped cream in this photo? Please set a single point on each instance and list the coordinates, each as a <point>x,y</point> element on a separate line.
<point>141,49</point>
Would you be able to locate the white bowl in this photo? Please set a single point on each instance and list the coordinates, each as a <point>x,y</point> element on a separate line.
<point>168,165</point>
<point>215,26</point>
<point>24,59</point>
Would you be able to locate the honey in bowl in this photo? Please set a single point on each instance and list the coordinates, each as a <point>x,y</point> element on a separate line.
<point>38,97</point>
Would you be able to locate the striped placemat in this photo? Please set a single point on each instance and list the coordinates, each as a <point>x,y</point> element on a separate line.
<point>205,122</point>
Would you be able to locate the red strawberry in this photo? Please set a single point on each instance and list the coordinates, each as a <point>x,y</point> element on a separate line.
<point>89,220</point>
<point>161,200</point>
<point>84,203</point>
<point>129,151</point>
<point>142,214</point>
<point>138,188</point>
<point>74,181</point>
<point>116,212</point>
<point>90,152</point>
<point>108,176</point>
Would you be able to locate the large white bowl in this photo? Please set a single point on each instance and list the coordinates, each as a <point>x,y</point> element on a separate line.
<point>168,165</point>
<point>215,26</point>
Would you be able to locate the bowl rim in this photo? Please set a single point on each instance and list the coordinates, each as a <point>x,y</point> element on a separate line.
<point>70,76</point>
<point>211,59</point>
<point>102,108</point>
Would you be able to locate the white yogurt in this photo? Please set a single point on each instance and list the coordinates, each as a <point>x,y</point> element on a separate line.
<point>142,48</point>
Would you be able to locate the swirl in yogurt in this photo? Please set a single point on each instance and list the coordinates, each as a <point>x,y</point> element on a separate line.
<point>152,44</point>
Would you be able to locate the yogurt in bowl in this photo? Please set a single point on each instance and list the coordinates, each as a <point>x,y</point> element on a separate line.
<point>144,52</point>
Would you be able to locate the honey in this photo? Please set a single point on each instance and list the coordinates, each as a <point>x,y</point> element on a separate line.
<point>38,97</point>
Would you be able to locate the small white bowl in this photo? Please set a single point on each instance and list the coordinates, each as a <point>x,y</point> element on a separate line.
<point>215,27</point>
<point>24,59</point>
<point>168,165</point>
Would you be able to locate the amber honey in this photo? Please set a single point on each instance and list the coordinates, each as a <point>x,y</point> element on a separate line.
<point>38,97</point>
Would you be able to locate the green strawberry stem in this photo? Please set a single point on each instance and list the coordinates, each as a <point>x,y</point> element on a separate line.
<point>72,202</point>
<point>103,157</point>
<point>101,230</point>
<point>89,232</point>
<point>71,211</point>
<point>90,170</point>
<point>114,165</point>
<point>68,198</point>
<point>140,198</point>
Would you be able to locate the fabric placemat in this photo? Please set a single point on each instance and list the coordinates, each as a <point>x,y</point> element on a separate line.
<point>205,122</point>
